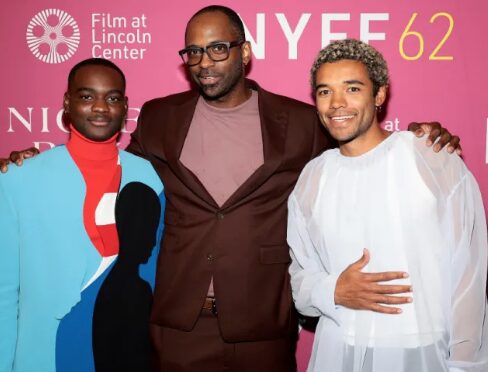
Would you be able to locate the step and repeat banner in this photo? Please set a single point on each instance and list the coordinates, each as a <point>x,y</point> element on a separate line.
<point>436,52</point>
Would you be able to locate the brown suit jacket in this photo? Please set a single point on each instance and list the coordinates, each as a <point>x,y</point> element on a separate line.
<point>242,244</point>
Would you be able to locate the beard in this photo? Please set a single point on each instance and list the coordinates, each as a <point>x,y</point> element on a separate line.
<point>227,83</point>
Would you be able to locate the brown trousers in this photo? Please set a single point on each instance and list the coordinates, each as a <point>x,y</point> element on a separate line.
<point>203,350</point>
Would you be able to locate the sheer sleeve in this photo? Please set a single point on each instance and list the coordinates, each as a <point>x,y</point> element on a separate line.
<point>468,349</point>
<point>313,287</point>
<point>9,281</point>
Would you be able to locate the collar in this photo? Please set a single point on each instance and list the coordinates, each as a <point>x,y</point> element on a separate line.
<point>84,148</point>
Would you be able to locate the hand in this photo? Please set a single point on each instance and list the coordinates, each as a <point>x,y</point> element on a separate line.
<point>17,157</point>
<point>435,131</point>
<point>361,291</point>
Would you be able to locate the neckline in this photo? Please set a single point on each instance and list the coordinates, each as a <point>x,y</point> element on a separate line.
<point>84,148</point>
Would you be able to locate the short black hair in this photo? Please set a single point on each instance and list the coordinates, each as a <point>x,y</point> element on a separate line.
<point>234,19</point>
<point>94,62</point>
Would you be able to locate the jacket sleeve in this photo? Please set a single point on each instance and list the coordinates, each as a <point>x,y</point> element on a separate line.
<point>9,279</point>
<point>468,349</point>
<point>136,146</point>
<point>313,287</point>
<point>321,139</point>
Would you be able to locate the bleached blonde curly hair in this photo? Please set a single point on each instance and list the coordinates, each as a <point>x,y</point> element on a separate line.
<point>354,50</point>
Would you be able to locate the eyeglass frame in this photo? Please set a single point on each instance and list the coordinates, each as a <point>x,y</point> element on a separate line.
<point>228,44</point>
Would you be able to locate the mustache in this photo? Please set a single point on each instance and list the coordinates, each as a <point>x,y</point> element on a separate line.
<point>339,113</point>
<point>203,73</point>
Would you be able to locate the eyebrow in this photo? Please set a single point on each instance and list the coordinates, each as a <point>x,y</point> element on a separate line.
<point>93,90</point>
<point>348,82</point>
<point>354,82</point>
<point>211,43</point>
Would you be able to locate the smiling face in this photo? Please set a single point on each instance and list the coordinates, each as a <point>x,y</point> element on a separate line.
<point>95,102</point>
<point>220,83</point>
<point>345,101</point>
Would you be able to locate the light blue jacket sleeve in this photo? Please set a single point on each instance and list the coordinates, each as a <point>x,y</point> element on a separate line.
<point>9,279</point>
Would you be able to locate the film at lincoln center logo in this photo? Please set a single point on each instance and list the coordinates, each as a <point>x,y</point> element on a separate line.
<point>53,36</point>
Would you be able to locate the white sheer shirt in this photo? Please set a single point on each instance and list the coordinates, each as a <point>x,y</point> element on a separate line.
<point>416,211</point>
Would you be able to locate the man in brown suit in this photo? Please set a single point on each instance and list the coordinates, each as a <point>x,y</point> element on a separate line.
<point>222,300</point>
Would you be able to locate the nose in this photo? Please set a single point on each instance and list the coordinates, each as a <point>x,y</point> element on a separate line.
<point>337,100</point>
<point>206,61</point>
<point>100,105</point>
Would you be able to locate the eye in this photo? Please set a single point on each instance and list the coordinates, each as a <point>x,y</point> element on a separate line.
<point>114,99</point>
<point>85,97</point>
<point>219,48</point>
<point>354,89</point>
<point>194,52</point>
<point>323,92</point>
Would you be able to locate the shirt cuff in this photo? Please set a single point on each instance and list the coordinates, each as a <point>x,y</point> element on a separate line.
<point>323,296</point>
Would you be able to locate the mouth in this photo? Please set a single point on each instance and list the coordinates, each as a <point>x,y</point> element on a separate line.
<point>99,121</point>
<point>339,121</point>
<point>341,118</point>
<point>208,79</point>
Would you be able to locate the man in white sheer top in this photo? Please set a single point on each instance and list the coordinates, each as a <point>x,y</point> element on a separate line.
<point>386,199</point>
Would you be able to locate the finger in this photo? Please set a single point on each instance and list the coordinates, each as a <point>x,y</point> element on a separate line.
<point>384,309</point>
<point>4,165</point>
<point>390,300</point>
<point>16,157</point>
<point>416,128</point>
<point>459,150</point>
<point>453,144</point>
<point>429,127</point>
<point>362,262</point>
<point>29,153</point>
<point>389,289</point>
<point>444,139</point>
<point>384,276</point>
<point>433,135</point>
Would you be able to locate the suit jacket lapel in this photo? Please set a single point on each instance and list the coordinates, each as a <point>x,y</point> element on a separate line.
<point>174,139</point>
<point>274,123</point>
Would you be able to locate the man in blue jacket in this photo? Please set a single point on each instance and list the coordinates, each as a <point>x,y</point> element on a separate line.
<point>58,239</point>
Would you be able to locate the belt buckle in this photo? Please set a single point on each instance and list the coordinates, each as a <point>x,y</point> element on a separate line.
<point>214,307</point>
<point>210,304</point>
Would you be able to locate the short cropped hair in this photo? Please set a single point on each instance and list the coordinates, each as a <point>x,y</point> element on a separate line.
<point>94,62</point>
<point>353,50</point>
<point>233,17</point>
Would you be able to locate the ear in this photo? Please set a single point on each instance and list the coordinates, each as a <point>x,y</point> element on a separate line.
<point>66,102</point>
<point>126,106</point>
<point>380,96</point>
<point>246,52</point>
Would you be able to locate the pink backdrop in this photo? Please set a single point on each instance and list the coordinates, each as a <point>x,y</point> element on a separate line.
<point>436,51</point>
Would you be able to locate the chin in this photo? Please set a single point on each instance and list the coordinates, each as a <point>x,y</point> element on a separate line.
<point>211,92</point>
<point>101,137</point>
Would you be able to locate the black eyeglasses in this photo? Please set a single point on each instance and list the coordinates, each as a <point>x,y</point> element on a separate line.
<point>217,52</point>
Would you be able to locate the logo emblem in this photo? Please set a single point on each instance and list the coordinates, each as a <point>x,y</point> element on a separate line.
<point>53,36</point>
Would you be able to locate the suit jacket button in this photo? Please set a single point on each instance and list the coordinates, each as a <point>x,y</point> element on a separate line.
<point>210,257</point>
<point>220,216</point>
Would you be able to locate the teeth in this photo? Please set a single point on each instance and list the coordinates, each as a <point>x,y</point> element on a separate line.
<point>342,118</point>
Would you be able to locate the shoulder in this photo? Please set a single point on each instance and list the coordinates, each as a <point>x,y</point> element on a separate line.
<point>47,162</point>
<point>135,168</point>
<point>291,104</point>
<point>312,172</point>
<point>172,100</point>
<point>446,169</point>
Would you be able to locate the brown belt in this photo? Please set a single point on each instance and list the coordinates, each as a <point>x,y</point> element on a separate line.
<point>209,304</point>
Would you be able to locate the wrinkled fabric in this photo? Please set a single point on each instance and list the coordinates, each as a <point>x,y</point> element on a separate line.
<point>416,211</point>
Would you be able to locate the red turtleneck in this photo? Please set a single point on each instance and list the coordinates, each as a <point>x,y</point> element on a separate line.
<point>99,165</point>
